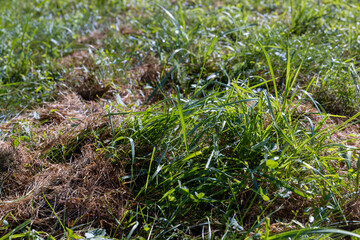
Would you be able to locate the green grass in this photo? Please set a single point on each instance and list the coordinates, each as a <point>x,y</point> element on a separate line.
<point>223,151</point>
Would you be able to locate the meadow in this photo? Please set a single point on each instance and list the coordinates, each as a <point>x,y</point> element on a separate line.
<point>126,119</point>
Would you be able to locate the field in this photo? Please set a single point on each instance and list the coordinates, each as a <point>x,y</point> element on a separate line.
<point>128,119</point>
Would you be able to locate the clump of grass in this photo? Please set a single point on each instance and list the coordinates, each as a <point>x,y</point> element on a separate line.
<point>234,154</point>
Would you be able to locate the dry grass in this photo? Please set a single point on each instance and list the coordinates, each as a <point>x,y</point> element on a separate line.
<point>83,187</point>
<point>86,190</point>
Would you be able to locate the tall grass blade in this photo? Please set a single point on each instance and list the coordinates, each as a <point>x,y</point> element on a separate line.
<point>271,71</point>
<point>181,116</point>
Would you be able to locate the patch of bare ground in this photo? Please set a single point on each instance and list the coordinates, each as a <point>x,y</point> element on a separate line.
<point>347,134</point>
<point>94,38</point>
<point>81,77</point>
<point>141,82</point>
<point>126,29</point>
<point>144,79</point>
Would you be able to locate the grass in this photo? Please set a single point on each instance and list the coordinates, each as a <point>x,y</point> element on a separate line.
<point>179,120</point>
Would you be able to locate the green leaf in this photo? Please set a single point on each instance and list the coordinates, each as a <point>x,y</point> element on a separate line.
<point>183,125</point>
<point>167,194</point>
<point>71,235</point>
<point>171,198</point>
<point>146,227</point>
<point>38,89</point>
<point>192,155</point>
<point>200,195</point>
<point>184,191</point>
<point>271,163</point>
<point>263,195</point>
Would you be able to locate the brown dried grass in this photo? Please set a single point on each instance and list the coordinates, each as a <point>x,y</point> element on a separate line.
<point>83,190</point>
